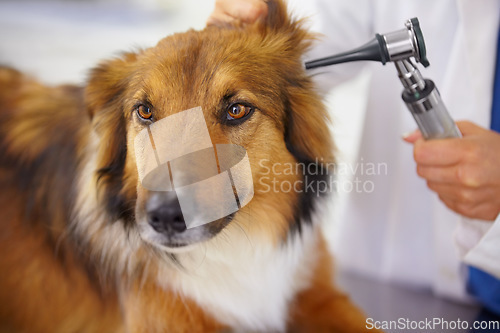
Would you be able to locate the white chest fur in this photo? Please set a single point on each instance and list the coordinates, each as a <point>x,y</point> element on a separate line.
<point>246,285</point>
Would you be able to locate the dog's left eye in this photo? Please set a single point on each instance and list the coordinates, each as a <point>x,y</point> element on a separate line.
<point>238,111</point>
<point>144,111</point>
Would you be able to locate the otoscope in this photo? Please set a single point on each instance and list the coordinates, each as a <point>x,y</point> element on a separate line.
<point>404,47</point>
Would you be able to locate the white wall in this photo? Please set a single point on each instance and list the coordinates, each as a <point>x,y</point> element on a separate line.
<point>58,41</point>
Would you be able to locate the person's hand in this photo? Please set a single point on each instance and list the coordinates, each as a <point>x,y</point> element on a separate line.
<point>248,11</point>
<point>464,172</point>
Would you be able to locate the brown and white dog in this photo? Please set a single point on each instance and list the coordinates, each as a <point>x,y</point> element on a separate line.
<point>78,250</point>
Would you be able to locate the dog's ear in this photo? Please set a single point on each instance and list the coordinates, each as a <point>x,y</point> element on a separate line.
<point>279,22</point>
<point>307,133</point>
<point>107,82</point>
<point>104,98</point>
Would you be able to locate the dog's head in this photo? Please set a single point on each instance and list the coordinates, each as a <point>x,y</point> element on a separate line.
<point>250,83</point>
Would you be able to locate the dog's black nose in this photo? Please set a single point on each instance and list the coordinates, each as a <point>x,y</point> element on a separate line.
<point>164,213</point>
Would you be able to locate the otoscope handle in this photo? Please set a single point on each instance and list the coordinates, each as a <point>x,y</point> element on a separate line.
<point>430,113</point>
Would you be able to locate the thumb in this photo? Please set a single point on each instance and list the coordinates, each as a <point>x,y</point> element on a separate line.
<point>412,137</point>
<point>468,128</point>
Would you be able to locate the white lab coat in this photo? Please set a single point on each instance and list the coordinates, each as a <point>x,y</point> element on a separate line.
<point>400,231</point>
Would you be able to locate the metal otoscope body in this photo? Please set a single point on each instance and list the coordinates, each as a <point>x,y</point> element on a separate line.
<point>420,95</point>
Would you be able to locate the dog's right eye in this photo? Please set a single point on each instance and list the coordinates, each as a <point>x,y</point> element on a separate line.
<point>238,111</point>
<point>144,111</point>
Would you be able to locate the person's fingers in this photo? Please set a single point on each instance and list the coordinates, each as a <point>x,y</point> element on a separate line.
<point>439,152</point>
<point>464,174</point>
<point>468,128</point>
<point>462,194</point>
<point>219,18</point>
<point>412,137</point>
<point>465,127</point>
<point>247,11</point>
<point>226,11</point>
<point>439,174</point>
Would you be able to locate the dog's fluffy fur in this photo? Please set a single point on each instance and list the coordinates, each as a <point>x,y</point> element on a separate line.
<point>73,259</point>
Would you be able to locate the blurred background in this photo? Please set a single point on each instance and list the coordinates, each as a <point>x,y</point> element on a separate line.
<point>58,41</point>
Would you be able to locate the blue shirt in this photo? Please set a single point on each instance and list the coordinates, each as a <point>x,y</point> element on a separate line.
<point>481,284</point>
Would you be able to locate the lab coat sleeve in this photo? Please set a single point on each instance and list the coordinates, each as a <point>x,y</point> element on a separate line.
<point>479,244</point>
